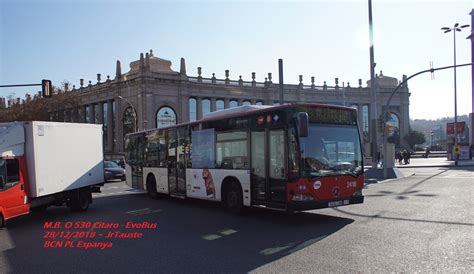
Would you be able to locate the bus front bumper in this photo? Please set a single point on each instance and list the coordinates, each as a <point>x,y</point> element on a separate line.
<point>308,205</point>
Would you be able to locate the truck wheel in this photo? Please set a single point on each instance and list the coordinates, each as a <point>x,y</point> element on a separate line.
<point>233,197</point>
<point>2,221</point>
<point>84,200</point>
<point>81,200</point>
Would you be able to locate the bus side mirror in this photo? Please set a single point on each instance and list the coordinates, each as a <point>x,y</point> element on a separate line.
<point>2,182</point>
<point>302,124</point>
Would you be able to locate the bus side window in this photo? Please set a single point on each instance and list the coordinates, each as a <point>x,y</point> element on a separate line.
<point>231,150</point>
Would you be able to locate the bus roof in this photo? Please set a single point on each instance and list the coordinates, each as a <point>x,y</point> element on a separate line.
<point>242,111</point>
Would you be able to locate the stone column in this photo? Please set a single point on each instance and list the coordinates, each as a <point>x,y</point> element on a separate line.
<point>150,115</point>
<point>60,115</point>
<point>110,129</point>
<point>101,113</point>
<point>140,108</point>
<point>198,108</point>
<point>75,115</point>
<point>213,104</point>
<point>84,114</point>
<point>63,115</point>
<point>184,117</point>
<point>72,115</point>
<point>118,136</point>
<point>226,103</point>
<point>67,115</point>
<point>92,113</point>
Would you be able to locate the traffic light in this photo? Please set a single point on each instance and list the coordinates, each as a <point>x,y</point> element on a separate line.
<point>47,88</point>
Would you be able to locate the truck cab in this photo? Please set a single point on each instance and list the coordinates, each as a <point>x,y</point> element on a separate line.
<point>13,197</point>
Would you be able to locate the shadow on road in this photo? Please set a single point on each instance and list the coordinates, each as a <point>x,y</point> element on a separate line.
<point>404,195</point>
<point>192,236</point>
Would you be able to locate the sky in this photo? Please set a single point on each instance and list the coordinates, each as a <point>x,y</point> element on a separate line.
<point>66,40</point>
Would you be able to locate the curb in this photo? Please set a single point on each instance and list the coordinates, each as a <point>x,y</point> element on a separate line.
<point>375,181</point>
<point>458,166</point>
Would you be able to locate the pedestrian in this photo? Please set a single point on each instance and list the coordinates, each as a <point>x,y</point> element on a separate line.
<point>398,155</point>
<point>427,152</point>
<point>406,157</point>
<point>121,163</point>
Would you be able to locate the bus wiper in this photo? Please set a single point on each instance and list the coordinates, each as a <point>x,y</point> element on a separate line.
<point>339,166</point>
<point>348,173</point>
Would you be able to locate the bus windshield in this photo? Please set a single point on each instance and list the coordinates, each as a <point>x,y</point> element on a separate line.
<point>331,150</point>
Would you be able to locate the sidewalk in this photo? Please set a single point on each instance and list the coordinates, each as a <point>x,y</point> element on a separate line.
<point>428,162</point>
<point>434,162</point>
<point>401,171</point>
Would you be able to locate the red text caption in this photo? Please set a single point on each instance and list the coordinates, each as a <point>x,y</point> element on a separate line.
<point>91,235</point>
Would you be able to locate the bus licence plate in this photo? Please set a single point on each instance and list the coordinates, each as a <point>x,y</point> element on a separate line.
<point>338,203</point>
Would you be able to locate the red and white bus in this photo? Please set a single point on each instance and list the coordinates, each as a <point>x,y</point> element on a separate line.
<point>292,157</point>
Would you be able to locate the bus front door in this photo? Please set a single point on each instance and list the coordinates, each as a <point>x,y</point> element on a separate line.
<point>277,167</point>
<point>259,168</point>
<point>268,171</point>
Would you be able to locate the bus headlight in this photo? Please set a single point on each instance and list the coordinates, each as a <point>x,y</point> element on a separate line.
<point>357,193</point>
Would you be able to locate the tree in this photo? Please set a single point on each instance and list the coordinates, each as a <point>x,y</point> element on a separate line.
<point>37,108</point>
<point>414,138</point>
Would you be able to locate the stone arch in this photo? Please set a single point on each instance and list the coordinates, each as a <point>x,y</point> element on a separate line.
<point>220,104</point>
<point>192,108</point>
<point>246,102</point>
<point>233,103</point>
<point>206,105</point>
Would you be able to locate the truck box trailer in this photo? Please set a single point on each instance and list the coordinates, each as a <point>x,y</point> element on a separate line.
<point>48,163</point>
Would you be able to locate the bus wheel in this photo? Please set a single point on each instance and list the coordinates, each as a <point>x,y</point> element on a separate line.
<point>151,187</point>
<point>233,197</point>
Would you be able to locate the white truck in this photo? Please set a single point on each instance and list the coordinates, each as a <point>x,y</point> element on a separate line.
<point>48,163</point>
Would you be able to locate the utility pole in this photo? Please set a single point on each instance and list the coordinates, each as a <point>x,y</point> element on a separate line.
<point>373,106</point>
<point>280,74</point>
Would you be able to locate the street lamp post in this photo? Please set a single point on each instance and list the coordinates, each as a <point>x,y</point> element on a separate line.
<point>455,28</point>
<point>134,112</point>
<point>431,142</point>
<point>373,97</point>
